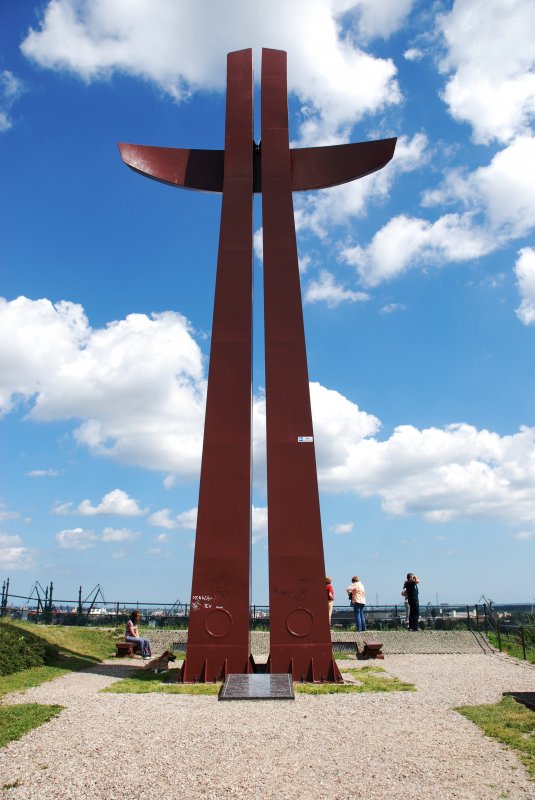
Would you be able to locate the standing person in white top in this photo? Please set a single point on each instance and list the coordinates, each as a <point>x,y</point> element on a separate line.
<point>356,592</point>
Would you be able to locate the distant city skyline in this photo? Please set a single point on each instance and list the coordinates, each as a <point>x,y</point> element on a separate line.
<point>418,287</point>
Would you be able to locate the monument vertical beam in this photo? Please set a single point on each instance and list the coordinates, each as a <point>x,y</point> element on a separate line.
<point>300,641</point>
<point>218,637</point>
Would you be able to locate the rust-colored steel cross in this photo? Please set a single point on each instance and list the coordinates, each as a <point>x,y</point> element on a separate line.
<point>218,637</point>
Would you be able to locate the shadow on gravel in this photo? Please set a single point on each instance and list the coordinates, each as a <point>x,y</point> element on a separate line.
<point>113,670</point>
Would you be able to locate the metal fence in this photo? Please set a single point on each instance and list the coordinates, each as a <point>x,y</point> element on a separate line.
<point>512,626</point>
<point>512,634</point>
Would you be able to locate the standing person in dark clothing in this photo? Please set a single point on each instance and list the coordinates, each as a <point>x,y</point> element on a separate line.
<point>411,587</point>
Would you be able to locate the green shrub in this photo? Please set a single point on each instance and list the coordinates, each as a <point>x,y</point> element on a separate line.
<point>20,649</point>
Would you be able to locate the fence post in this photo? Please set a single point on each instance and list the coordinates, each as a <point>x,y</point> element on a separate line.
<point>468,618</point>
<point>477,616</point>
<point>523,642</point>
<point>498,632</point>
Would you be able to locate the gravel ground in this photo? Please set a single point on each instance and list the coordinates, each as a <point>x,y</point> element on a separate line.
<point>378,746</point>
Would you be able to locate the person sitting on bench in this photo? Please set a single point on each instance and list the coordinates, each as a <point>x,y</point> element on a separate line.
<point>131,634</point>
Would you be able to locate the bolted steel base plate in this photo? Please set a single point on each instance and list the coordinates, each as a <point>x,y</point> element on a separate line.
<point>258,687</point>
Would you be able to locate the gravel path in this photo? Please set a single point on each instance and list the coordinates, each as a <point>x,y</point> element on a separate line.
<point>378,746</point>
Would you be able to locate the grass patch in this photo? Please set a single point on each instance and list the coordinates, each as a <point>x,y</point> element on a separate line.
<point>369,680</point>
<point>68,649</point>
<point>510,723</point>
<point>345,656</point>
<point>512,646</point>
<point>15,721</point>
<point>143,681</point>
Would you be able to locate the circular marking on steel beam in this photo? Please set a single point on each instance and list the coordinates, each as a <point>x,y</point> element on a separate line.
<point>218,623</point>
<point>299,622</point>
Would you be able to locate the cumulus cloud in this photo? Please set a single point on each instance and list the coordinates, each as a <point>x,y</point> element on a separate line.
<point>188,519</point>
<point>525,275</point>
<point>119,535</point>
<point>138,384</point>
<point>504,190</point>
<point>408,242</point>
<point>389,308</point>
<point>10,90</point>
<point>259,523</point>
<point>76,539</point>
<point>326,290</point>
<point>317,212</point>
<point>342,528</point>
<point>5,514</point>
<point>162,519</point>
<point>442,474</point>
<point>157,42</point>
<point>439,473</point>
<point>490,56</point>
<point>498,206</point>
<point>13,555</point>
<point>114,503</point>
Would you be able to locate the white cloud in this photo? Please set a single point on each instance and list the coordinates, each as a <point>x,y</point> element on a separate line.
<point>379,18</point>
<point>318,211</point>
<point>13,555</point>
<point>491,53</point>
<point>498,206</point>
<point>114,503</point>
<point>413,54</point>
<point>259,523</point>
<point>342,528</point>
<point>43,473</point>
<point>169,481</point>
<point>326,290</point>
<point>407,242</point>
<point>442,474</point>
<point>119,535</point>
<point>76,539</point>
<point>525,275</point>
<point>162,537</point>
<point>138,383</point>
<point>156,552</point>
<point>162,519</point>
<point>10,90</point>
<point>523,536</point>
<point>5,514</point>
<point>389,308</point>
<point>504,190</point>
<point>188,519</point>
<point>158,42</point>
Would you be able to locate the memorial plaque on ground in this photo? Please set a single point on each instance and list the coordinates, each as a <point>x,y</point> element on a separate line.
<point>258,687</point>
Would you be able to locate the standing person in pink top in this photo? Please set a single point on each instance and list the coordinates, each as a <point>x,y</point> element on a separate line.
<point>330,596</point>
<point>356,592</point>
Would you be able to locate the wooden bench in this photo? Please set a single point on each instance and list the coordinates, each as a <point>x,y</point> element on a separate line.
<point>372,649</point>
<point>126,649</point>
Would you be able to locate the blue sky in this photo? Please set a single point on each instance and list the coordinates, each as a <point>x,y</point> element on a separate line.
<point>418,286</point>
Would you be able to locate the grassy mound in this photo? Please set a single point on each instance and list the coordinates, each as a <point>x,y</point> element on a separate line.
<point>41,652</point>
